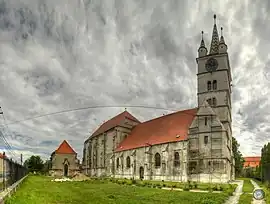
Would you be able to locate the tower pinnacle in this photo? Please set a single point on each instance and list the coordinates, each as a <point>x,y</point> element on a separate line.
<point>202,49</point>
<point>222,45</point>
<point>215,39</point>
<point>222,41</point>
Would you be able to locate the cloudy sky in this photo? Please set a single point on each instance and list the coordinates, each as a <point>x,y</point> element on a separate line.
<point>58,56</point>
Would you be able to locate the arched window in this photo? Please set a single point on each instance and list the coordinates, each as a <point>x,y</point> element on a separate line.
<point>214,84</point>
<point>128,162</point>
<point>205,121</point>
<point>176,159</point>
<point>209,85</point>
<point>117,163</point>
<point>157,160</point>
<point>214,101</point>
<point>209,101</point>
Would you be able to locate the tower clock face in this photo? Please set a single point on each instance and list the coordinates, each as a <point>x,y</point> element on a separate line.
<point>211,65</point>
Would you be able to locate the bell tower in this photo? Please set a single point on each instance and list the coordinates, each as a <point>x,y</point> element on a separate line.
<point>214,82</point>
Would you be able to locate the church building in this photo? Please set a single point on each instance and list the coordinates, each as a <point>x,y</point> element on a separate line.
<point>64,161</point>
<point>187,145</point>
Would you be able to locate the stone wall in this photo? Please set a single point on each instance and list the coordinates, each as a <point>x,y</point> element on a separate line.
<point>58,162</point>
<point>144,159</point>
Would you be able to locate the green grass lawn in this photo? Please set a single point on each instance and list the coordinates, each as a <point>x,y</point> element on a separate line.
<point>40,190</point>
<point>248,188</point>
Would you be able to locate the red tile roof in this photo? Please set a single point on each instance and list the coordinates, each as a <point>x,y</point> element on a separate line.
<point>160,130</point>
<point>114,122</point>
<point>65,148</point>
<point>252,161</point>
<point>2,156</point>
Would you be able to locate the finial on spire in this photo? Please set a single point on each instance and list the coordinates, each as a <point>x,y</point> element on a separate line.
<point>215,16</point>
<point>221,31</point>
<point>125,109</point>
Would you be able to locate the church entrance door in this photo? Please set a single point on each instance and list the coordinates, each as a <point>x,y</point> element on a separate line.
<point>141,172</point>
<point>65,170</point>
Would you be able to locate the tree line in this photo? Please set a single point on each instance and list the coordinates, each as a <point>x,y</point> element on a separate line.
<point>36,164</point>
<point>261,172</point>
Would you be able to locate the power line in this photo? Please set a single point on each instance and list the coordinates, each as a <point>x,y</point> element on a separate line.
<point>102,106</point>
<point>3,136</point>
<point>85,108</point>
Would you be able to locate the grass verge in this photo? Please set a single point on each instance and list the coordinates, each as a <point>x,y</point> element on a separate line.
<point>247,196</point>
<point>39,189</point>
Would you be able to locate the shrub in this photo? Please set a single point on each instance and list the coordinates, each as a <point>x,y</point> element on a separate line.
<point>195,185</point>
<point>186,187</point>
<point>133,181</point>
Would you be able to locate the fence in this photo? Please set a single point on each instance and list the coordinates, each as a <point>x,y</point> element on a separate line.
<point>10,172</point>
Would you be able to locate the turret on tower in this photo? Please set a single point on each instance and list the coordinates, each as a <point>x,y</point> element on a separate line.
<point>202,51</point>
<point>222,45</point>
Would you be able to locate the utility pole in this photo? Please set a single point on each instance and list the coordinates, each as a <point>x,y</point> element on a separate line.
<point>21,160</point>
<point>4,179</point>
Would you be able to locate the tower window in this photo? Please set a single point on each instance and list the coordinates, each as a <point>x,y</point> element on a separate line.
<point>214,102</point>
<point>205,140</point>
<point>214,84</point>
<point>205,121</point>
<point>209,85</point>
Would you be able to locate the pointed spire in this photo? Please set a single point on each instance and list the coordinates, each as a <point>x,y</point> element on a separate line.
<point>222,41</point>
<point>202,41</point>
<point>215,39</point>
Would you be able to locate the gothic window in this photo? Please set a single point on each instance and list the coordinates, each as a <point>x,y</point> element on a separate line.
<point>209,85</point>
<point>205,140</point>
<point>214,84</point>
<point>176,159</point>
<point>205,121</point>
<point>209,101</point>
<point>214,102</point>
<point>128,162</point>
<point>157,160</point>
<point>117,163</point>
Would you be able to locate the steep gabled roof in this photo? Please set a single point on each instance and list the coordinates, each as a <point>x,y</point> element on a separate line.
<point>65,148</point>
<point>114,122</point>
<point>169,128</point>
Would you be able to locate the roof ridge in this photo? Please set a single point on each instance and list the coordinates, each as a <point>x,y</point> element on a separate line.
<point>168,115</point>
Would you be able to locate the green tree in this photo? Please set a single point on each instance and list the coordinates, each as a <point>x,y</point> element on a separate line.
<point>265,163</point>
<point>46,166</point>
<point>34,163</point>
<point>239,160</point>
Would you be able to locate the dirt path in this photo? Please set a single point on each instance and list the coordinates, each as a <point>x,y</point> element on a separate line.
<point>254,200</point>
<point>236,195</point>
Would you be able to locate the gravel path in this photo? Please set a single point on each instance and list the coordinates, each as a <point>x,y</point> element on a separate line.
<point>254,200</point>
<point>236,195</point>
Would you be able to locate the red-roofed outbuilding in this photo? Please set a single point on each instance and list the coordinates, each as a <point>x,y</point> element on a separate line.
<point>252,161</point>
